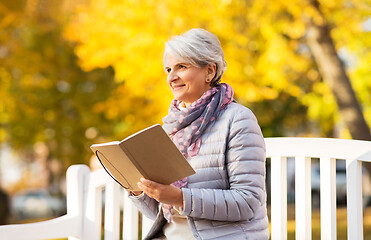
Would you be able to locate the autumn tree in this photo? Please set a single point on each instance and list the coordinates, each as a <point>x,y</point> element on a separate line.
<point>272,64</point>
<point>48,107</point>
<point>102,75</point>
<point>334,73</point>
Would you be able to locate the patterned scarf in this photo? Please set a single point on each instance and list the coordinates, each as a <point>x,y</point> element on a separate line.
<point>186,126</point>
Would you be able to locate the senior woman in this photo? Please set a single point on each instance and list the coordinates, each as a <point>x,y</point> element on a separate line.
<point>221,139</point>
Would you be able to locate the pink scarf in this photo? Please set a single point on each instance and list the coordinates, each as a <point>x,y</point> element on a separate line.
<point>186,126</point>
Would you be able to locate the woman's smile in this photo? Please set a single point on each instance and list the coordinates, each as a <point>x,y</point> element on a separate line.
<point>177,86</point>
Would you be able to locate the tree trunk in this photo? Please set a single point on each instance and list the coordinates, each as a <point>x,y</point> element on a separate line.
<point>333,71</point>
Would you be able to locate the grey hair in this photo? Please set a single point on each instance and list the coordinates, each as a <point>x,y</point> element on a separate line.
<point>199,48</point>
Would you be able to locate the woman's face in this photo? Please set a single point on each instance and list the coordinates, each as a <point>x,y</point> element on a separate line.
<point>187,82</point>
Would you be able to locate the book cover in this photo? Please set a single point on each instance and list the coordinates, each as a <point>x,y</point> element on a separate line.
<point>149,153</point>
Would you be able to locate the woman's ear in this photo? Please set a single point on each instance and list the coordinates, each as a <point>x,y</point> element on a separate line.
<point>211,71</point>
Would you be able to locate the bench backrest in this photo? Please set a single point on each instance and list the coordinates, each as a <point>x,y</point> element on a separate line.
<point>328,151</point>
<point>95,200</point>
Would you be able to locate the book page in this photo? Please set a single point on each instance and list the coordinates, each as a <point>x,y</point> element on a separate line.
<point>118,164</point>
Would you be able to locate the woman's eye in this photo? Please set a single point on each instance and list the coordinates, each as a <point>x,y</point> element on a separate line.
<point>168,70</point>
<point>182,66</point>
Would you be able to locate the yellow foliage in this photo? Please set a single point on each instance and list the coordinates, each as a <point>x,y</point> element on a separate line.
<point>262,41</point>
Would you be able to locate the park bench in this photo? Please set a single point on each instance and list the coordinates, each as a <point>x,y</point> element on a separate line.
<point>95,200</point>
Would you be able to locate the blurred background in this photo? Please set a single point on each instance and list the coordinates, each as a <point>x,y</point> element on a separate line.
<point>74,73</point>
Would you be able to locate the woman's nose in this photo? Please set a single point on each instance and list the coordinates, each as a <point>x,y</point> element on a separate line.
<point>172,76</point>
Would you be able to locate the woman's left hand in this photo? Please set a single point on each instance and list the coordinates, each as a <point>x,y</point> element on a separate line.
<point>167,194</point>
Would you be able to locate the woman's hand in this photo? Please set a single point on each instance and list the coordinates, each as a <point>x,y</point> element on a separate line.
<point>167,194</point>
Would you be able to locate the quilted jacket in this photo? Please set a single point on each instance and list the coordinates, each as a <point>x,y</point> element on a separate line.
<point>226,198</point>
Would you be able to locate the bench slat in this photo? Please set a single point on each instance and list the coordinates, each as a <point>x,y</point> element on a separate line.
<point>112,211</point>
<point>303,206</point>
<point>130,223</point>
<point>93,212</point>
<point>328,198</point>
<point>279,198</point>
<point>354,199</point>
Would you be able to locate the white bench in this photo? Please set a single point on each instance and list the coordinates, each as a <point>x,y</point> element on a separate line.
<point>85,194</point>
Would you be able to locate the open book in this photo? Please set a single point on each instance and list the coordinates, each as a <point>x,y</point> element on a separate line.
<point>149,153</point>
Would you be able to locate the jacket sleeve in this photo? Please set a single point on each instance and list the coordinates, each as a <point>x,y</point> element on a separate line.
<point>146,205</point>
<point>245,166</point>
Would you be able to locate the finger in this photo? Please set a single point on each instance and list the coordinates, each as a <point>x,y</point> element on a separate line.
<point>148,183</point>
<point>143,187</point>
<point>148,190</point>
<point>151,188</point>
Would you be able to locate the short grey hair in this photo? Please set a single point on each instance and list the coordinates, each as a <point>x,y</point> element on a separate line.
<point>199,48</point>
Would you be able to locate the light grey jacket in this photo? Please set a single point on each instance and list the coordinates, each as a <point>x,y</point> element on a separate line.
<point>226,198</point>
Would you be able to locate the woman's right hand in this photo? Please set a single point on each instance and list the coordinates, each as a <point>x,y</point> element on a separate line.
<point>168,194</point>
